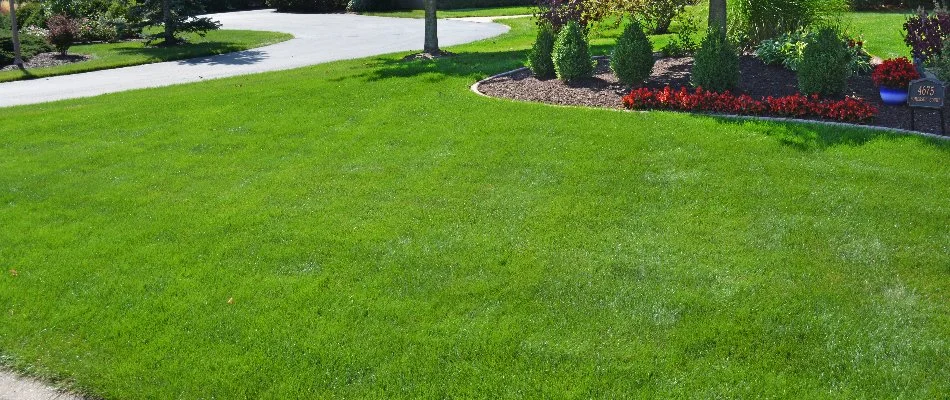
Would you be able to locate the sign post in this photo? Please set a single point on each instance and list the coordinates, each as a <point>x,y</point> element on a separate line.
<point>926,93</point>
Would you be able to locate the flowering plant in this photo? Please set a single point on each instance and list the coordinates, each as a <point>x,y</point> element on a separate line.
<point>797,106</point>
<point>895,73</point>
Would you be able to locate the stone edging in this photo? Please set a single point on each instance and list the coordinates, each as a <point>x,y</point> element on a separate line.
<point>475,86</point>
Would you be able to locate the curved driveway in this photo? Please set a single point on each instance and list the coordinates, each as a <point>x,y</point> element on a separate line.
<point>318,38</point>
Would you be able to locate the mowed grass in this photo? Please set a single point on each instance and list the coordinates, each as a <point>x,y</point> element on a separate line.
<point>381,231</point>
<point>125,54</point>
<point>883,32</point>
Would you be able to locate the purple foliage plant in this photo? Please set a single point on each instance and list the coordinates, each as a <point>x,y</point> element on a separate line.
<point>925,33</point>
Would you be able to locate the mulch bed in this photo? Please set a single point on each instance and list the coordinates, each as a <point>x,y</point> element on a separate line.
<point>49,60</point>
<point>758,80</point>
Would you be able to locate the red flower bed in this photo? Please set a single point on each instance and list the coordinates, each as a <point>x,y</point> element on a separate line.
<point>796,106</point>
<point>895,73</point>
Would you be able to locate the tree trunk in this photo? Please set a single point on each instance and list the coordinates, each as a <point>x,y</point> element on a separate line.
<point>17,57</point>
<point>432,35</point>
<point>717,14</point>
<point>169,25</point>
<point>662,26</point>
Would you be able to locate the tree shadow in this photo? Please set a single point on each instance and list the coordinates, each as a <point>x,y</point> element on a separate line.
<point>182,51</point>
<point>246,57</point>
<point>463,64</point>
<point>815,136</point>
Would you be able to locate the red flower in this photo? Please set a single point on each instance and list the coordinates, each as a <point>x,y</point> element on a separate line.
<point>895,73</point>
<point>796,106</point>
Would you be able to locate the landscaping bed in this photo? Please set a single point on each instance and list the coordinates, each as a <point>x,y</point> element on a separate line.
<point>52,59</point>
<point>758,81</point>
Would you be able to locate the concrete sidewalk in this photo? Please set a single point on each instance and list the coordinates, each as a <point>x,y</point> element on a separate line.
<point>318,38</point>
<point>14,387</point>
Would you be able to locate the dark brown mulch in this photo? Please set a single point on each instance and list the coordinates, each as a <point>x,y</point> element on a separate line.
<point>758,80</point>
<point>49,60</point>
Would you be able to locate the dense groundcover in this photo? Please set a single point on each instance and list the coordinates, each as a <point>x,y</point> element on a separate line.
<point>384,232</point>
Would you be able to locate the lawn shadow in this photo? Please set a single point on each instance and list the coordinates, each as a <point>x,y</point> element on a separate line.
<point>815,136</point>
<point>26,73</point>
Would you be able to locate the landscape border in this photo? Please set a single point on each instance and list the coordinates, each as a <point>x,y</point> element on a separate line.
<point>476,85</point>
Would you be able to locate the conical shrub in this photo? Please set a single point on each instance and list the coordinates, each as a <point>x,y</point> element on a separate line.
<point>717,63</point>
<point>632,59</point>
<point>825,66</point>
<point>571,54</point>
<point>539,60</point>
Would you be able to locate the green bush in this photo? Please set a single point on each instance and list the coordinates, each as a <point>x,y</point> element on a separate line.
<point>29,46</point>
<point>825,69</point>
<point>752,21</point>
<point>943,63</point>
<point>571,54</point>
<point>659,14</point>
<point>213,6</point>
<point>358,5</point>
<point>77,8</point>
<point>632,59</point>
<point>30,14</point>
<point>717,63</point>
<point>97,30</point>
<point>540,59</point>
<point>788,50</point>
<point>315,6</point>
<point>682,44</point>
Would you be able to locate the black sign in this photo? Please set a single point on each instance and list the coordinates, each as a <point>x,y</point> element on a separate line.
<point>926,93</point>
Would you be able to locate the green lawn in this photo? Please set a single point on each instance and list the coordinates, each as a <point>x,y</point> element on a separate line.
<point>384,232</point>
<point>458,13</point>
<point>124,54</point>
<point>883,31</point>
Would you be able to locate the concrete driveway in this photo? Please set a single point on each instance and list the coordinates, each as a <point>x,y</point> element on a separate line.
<point>319,38</point>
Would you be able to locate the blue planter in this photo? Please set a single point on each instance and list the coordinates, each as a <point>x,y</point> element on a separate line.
<point>893,97</point>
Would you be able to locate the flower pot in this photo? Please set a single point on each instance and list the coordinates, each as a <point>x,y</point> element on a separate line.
<point>893,97</point>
